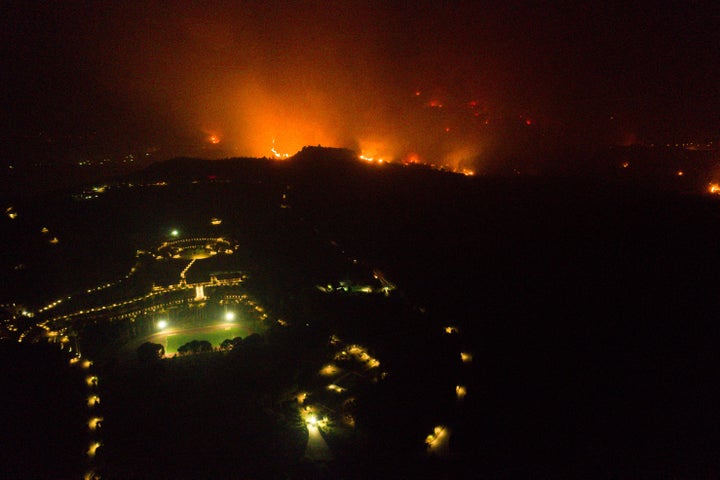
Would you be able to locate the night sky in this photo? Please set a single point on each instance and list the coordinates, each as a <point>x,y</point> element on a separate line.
<point>443,82</point>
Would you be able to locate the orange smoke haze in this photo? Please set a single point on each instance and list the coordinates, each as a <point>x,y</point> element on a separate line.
<point>251,79</point>
<point>462,83</point>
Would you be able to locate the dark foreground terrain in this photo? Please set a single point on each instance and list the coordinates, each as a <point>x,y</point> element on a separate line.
<point>589,308</point>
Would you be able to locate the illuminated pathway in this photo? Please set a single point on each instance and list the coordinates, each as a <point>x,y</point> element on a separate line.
<point>317,449</point>
<point>318,417</point>
<point>182,274</point>
<point>131,303</point>
<point>211,246</point>
<point>94,423</point>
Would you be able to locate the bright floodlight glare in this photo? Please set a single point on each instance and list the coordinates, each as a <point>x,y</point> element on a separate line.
<point>162,324</point>
<point>229,316</point>
<point>312,420</point>
<point>174,233</point>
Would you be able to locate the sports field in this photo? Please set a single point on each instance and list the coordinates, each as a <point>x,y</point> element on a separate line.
<point>215,335</point>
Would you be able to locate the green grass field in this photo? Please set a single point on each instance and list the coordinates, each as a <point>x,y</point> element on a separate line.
<point>214,335</point>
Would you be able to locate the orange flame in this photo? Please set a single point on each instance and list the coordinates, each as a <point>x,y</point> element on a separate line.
<point>276,154</point>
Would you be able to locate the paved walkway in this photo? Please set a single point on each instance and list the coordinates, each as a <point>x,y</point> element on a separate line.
<point>317,450</point>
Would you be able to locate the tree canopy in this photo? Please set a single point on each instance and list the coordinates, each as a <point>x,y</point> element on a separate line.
<point>195,346</point>
<point>148,352</point>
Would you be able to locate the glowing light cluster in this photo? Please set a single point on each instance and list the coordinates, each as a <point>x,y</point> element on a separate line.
<point>437,431</point>
<point>438,442</point>
<point>412,158</point>
<point>311,418</point>
<point>360,354</point>
<point>370,159</point>
<point>329,370</point>
<point>94,423</point>
<point>276,154</point>
<point>93,448</point>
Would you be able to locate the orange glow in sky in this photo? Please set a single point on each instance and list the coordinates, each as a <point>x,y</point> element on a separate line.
<point>225,78</point>
<point>412,158</point>
<point>258,92</point>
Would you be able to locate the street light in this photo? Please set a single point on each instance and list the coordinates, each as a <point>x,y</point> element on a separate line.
<point>95,422</point>
<point>93,448</point>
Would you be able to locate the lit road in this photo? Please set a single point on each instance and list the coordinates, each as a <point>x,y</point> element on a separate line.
<point>317,449</point>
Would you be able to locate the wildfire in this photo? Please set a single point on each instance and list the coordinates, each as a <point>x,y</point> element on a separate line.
<point>276,154</point>
<point>714,188</point>
<point>370,159</point>
<point>214,139</point>
<point>412,158</point>
<point>375,150</point>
